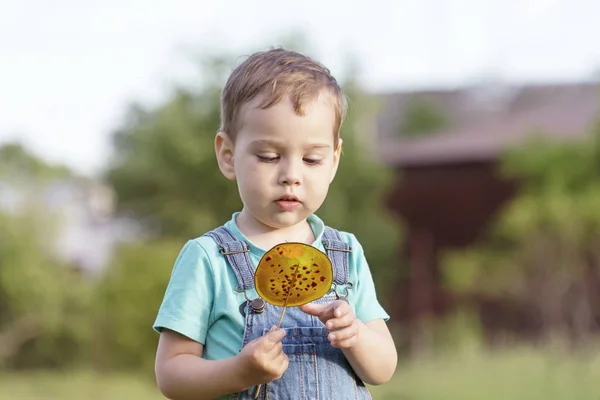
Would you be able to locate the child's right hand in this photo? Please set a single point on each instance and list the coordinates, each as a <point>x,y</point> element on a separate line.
<point>263,360</point>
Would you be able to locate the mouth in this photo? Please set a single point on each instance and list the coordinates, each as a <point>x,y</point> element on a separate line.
<point>288,203</point>
<point>288,197</point>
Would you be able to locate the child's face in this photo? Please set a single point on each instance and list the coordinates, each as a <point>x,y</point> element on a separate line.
<point>283,162</point>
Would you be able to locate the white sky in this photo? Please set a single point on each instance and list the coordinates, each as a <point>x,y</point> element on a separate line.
<point>68,68</point>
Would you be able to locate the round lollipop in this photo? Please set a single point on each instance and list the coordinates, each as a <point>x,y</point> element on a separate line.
<point>292,274</point>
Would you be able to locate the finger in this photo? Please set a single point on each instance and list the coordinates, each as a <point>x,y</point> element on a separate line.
<point>345,343</point>
<point>260,338</point>
<point>273,338</point>
<point>272,355</point>
<point>276,350</point>
<point>318,310</point>
<point>343,334</point>
<point>341,322</point>
<point>278,365</point>
<point>340,308</point>
<point>284,362</point>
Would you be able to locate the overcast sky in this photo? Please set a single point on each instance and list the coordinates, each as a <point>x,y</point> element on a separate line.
<point>68,68</point>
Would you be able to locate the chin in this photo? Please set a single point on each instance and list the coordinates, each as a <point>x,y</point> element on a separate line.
<point>285,220</point>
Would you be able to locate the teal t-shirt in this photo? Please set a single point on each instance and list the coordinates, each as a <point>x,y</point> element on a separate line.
<point>201,302</point>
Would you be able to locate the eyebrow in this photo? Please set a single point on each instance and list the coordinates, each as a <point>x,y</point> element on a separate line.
<point>272,143</point>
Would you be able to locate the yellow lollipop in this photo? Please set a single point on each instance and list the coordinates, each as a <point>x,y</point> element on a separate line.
<point>292,274</point>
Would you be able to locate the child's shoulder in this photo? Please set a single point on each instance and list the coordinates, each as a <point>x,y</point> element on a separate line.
<point>345,236</point>
<point>204,241</point>
<point>200,247</point>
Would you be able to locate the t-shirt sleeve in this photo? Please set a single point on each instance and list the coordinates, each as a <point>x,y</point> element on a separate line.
<point>366,304</point>
<point>187,303</point>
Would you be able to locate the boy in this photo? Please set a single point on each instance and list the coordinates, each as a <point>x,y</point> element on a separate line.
<point>281,114</point>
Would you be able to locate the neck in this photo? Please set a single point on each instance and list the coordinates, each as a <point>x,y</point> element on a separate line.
<point>266,237</point>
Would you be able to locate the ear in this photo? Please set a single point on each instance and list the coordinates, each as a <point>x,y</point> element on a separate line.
<point>337,153</point>
<point>224,153</point>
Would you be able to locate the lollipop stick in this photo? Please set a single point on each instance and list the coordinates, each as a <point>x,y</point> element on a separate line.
<point>278,325</point>
<point>282,313</point>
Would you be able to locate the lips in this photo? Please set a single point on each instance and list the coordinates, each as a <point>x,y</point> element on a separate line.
<point>288,197</point>
<point>288,203</point>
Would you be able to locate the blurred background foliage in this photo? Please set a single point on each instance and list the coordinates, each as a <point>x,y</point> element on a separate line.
<point>541,256</point>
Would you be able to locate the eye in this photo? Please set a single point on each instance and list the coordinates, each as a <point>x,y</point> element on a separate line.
<point>313,161</point>
<point>267,159</point>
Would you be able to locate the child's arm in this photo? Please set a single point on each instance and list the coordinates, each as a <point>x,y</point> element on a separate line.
<point>373,355</point>
<point>182,373</point>
<point>369,347</point>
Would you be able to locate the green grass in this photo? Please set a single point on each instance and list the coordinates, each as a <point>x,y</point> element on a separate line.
<point>513,374</point>
<point>77,385</point>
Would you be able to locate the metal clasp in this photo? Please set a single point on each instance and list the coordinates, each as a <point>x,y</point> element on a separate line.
<point>348,250</point>
<point>348,287</point>
<point>258,304</point>
<point>226,253</point>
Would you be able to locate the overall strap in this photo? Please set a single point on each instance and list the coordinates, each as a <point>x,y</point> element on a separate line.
<point>236,252</point>
<point>338,252</point>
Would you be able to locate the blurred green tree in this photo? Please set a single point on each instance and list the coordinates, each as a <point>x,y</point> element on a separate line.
<point>127,299</point>
<point>543,249</point>
<point>17,163</point>
<point>165,171</point>
<point>43,301</point>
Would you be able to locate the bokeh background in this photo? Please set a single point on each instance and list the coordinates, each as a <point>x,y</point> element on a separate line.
<point>471,174</point>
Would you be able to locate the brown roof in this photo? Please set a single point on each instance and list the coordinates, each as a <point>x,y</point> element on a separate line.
<point>483,123</point>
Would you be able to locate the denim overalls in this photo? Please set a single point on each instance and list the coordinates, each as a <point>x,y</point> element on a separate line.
<point>317,371</point>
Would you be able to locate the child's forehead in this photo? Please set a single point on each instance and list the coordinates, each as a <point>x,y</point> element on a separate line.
<point>281,119</point>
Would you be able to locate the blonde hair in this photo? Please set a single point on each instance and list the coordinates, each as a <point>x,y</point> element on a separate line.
<point>274,74</point>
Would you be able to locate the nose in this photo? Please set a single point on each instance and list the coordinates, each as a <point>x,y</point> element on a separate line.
<point>290,175</point>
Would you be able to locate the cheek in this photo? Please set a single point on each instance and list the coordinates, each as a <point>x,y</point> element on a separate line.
<point>246,166</point>
<point>251,177</point>
<point>320,182</point>
<point>247,189</point>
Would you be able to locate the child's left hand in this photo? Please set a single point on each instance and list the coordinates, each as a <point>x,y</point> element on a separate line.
<point>339,318</point>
